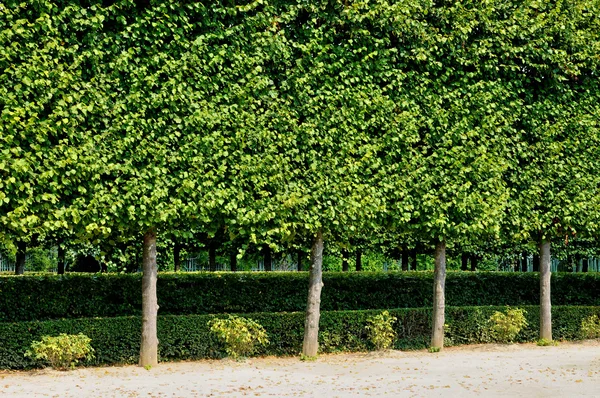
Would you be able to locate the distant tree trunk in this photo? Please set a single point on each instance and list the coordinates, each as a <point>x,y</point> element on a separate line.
<point>414,259</point>
<point>60,266</point>
<point>404,259</point>
<point>545,304</point>
<point>536,263</point>
<point>584,265</point>
<point>464,262</point>
<point>233,261</point>
<point>299,255</point>
<point>517,265</point>
<point>310,346</point>
<point>176,257</point>
<point>524,262</point>
<point>268,258</point>
<point>474,261</point>
<point>345,267</point>
<point>358,260</point>
<point>212,258</point>
<point>103,268</point>
<point>439,303</point>
<point>20,261</point>
<point>149,346</point>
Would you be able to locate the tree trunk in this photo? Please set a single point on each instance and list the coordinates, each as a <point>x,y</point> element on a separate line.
<point>545,304</point>
<point>212,258</point>
<point>60,266</point>
<point>176,257</point>
<point>299,255</point>
<point>584,265</point>
<point>20,261</point>
<point>524,262</point>
<point>345,267</point>
<point>268,258</point>
<point>233,261</point>
<point>474,261</point>
<point>404,259</point>
<point>439,304</point>
<point>358,260</point>
<point>149,346</point>
<point>536,263</point>
<point>414,259</point>
<point>310,346</point>
<point>464,262</point>
<point>103,268</point>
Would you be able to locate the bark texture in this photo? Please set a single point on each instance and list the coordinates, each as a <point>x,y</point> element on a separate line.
<point>439,301</point>
<point>345,267</point>
<point>149,346</point>
<point>545,304</point>
<point>20,260</point>
<point>310,346</point>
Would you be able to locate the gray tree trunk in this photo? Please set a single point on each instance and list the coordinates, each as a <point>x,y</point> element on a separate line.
<point>545,304</point>
<point>439,302</point>
<point>310,346</point>
<point>20,261</point>
<point>149,346</point>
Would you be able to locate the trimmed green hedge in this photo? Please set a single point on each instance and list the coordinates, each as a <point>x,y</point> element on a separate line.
<point>26,298</point>
<point>116,340</point>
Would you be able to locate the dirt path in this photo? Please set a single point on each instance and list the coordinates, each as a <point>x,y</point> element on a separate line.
<point>569,370</point>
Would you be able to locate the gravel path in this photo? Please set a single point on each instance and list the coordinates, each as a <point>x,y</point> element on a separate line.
<point>569,370</point>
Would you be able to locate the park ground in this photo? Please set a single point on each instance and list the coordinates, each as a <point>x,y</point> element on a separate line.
<point>566,370</point>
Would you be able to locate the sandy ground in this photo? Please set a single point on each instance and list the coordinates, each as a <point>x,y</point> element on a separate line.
<point>569,370</point>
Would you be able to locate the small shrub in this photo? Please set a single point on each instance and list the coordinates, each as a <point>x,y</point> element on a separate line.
<point>381,331</point>
<point>590,327</point>
<point>240,335</point>
<point>63,351</point>
<point>545,342</point>
<point>434,349</point>
<point>507,325</point>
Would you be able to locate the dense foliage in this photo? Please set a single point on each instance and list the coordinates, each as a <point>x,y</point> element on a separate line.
<point>81,296</point>
<point>116,340</point>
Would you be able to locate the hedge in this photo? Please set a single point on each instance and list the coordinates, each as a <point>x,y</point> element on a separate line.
<point>116,340</point>
<point>27,298</point>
